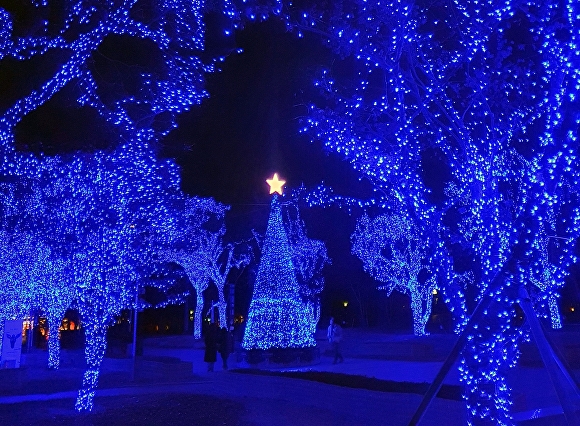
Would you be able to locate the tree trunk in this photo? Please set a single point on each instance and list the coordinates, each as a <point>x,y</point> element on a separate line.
<point>2,319</point>
<point>198,313</point>
<point>421,310</point>
<point>95,346</point>
<point>53,342</point>
<point>222,306</point>
<point>316,313</point>
<point>555,318</point>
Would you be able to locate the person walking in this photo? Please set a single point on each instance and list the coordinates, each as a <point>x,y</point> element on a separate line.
<point>226,346</point>
<point>334,335</point>
<point>211,344</point>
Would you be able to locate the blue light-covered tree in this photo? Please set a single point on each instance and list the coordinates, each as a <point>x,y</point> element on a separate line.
<point>309,257</point>
<point>193,244</point>
<point>38,280</point>
<point>277,317</point>
<point>224,258</point>
<point>109,207</point>
<point>397,255</point>
<point>492,88</point>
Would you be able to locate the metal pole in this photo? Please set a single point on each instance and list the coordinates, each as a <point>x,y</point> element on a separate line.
<point>134,348</point>
<point>30,336</point>
<point>476,316</point>
<point>232,296</point>
<point>563,383</point>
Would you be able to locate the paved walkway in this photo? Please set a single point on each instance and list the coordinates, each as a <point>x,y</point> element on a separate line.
<point>283,401</point>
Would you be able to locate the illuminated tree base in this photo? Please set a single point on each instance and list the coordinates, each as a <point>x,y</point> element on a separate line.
<point>86,395</point>
<point>53,353</point>
<point>555,318</point>
<point>292,326</point>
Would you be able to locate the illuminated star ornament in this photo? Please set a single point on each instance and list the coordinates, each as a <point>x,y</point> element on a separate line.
<point>275,184</point>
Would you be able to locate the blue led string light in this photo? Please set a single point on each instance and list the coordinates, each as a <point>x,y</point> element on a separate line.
<point>194,246</point>
<point>491,86</point>
<point>277,318</point>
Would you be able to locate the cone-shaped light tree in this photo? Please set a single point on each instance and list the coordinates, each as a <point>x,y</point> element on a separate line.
<point>278,318</point>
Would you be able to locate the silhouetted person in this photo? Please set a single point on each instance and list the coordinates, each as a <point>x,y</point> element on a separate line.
<point>211,344</point>
<point>226,346</point>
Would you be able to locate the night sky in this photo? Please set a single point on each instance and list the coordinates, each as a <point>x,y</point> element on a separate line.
<point>249,128</point>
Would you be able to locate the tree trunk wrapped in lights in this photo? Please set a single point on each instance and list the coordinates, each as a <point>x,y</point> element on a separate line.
<point>95,347</point>
<point>223,259</point>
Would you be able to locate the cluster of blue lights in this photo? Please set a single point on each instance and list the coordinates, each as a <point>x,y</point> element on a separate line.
<point>492,87</point>
<point>200,250</point>
<point>277,318</point>
<point>309,257</point>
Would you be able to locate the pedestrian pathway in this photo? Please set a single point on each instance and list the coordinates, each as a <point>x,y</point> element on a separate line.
<point>271,399</point>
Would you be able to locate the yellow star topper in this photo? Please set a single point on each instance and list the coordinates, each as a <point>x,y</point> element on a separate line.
<point>275,184</point>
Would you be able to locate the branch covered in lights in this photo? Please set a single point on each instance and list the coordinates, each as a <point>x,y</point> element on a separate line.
<point>309,257</point>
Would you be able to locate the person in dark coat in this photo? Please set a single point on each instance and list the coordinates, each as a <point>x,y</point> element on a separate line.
<point>211,345</point>
<point>226,346</point>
